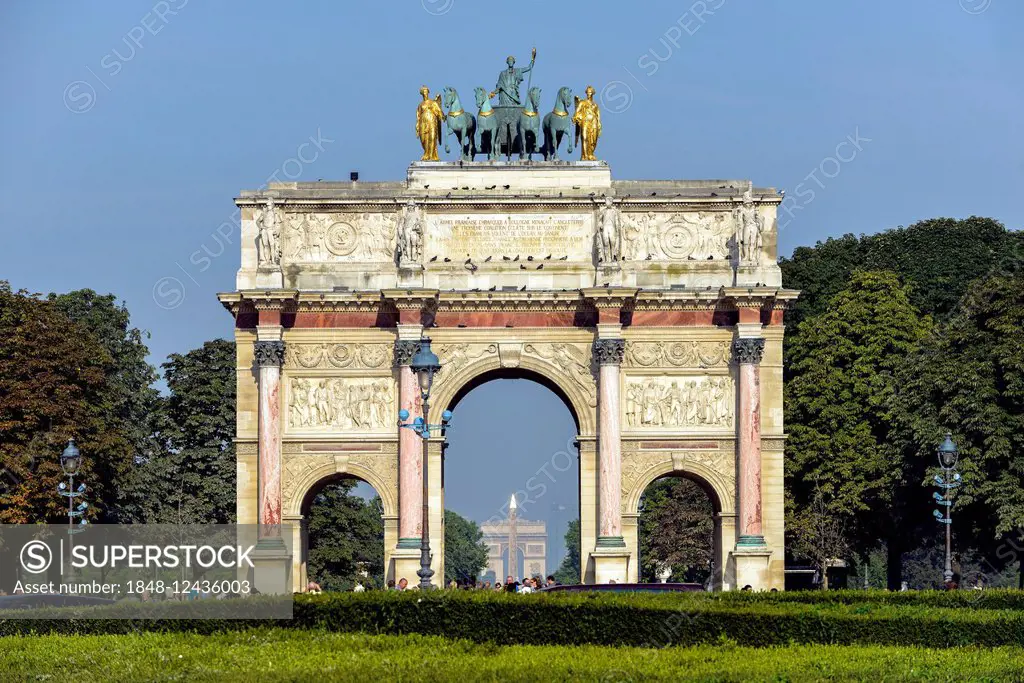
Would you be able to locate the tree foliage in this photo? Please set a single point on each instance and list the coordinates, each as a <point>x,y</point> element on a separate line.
<point>968,378</point>
<point>465,554</point>
<point>569,571</point>
<point>188,474</point>
<point>818,535</point>
<point>346,538</point>
<point>129,399</point>
<point>676,531</point>
<point>53,375</point>
<point>939,258</point>
<point>838,401</point>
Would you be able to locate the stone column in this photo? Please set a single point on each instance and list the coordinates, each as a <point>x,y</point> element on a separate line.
<point>608,353</point>
<point>269,356</point>
<point>410,450</point>
<point>748,353</point>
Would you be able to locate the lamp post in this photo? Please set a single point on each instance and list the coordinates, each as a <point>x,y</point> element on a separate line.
<point>947,482</point>
<point>70,462</point>
<point>425,364</point>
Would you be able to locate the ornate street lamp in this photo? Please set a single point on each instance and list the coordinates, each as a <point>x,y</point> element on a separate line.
<point>425,364</point>
<point>71,462</point>
<point>947,482</point>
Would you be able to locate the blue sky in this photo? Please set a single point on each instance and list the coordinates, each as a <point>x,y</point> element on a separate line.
<point>129,126</point>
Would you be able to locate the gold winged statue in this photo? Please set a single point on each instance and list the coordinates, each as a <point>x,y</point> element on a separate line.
<point>429,116</point>
<point>587,118</point>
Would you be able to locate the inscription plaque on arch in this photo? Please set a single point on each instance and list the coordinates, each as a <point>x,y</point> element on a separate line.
<point>481,235</point>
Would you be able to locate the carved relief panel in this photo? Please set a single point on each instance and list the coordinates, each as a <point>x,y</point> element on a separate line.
<point>691,236</point>
<point>318,237</point>
<point>332,404</point>
<point>683,403</point>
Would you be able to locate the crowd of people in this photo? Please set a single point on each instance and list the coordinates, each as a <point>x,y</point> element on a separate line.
<point>527,585</point>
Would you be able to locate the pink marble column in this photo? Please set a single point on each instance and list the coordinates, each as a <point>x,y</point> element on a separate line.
<point>609,353</point>
<point>748,353</point>
<point>269,357</point>
<point>410,451</point>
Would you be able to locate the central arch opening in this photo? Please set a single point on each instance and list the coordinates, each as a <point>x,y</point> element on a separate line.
<point>343,539</point>
<point>513,436</point>
<point>677,537</point>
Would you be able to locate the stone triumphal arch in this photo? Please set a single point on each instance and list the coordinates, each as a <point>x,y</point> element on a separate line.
<point>654,308</point>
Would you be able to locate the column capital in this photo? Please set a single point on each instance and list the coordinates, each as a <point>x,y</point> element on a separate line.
<point>405,349</point>
<point>269,353</point>
<point>748,350</point>
<point>609,351</point>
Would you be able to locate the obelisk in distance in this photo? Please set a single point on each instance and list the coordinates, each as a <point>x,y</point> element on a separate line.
<point>513,542</point>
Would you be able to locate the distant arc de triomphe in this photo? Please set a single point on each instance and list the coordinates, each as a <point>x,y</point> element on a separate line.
<point>652,308</point>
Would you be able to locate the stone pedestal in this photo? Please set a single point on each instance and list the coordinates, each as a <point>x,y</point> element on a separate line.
<point>272,569</point>
<point>611,565</point>
<point>405,562</point>
<point>410,275</point>
<point>609,274</point>
<point>269,277</point>
<point>570,177</point>
<point>748,568</point>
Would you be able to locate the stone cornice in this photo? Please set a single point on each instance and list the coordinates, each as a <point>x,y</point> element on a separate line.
<point>319,302</point>
<point>609,297</point>
<point>410,298</point>
<point>510,301</point>
<point>726,298</point>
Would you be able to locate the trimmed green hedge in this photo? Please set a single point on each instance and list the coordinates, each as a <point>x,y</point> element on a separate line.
<point>600,619</point>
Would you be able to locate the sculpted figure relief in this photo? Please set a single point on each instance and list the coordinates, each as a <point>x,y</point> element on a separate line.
<point>749,228</point>
<point>609,236</point>
<point>410,234</point>
<point>378,235</point>
<point>669,402</point>
<point>339,236</point>
<point>570,359</point>
<point>343,403</point>
<point>268,224</point>
<point>641,235</point>
<point>306,236</point>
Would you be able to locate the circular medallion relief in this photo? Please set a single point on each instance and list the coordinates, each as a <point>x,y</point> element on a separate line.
<point>341,239</point>
<point>678,240</point>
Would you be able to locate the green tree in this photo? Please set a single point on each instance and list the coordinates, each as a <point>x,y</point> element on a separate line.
<point>465,554</point>
<point>346,538</point>
<point>130,401</point>
<point>939,258</point>
<point>676,531</point>
<point>189,475</point>
<point>818,535</point>
<point>838,405</point>
<point>968,378</point>
<point>52,388</point>
<point>569,571</point>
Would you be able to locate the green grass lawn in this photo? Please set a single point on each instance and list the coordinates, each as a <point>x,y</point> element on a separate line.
<point>312,655</point>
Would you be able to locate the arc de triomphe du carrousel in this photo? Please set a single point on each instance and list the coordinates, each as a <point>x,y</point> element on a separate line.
<point>652,308</point>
